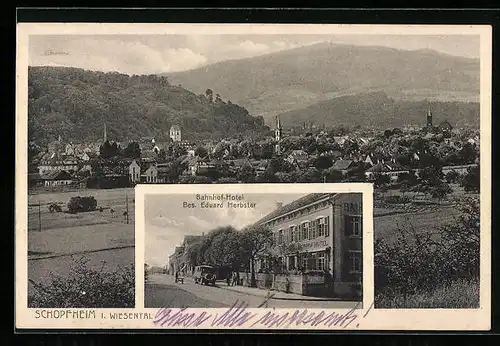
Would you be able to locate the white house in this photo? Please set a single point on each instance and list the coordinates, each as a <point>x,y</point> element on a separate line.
<point>175,133</point>
<point>134,171</point>
<point>151,174</point>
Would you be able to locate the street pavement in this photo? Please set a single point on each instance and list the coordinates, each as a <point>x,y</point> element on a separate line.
<point>162,291</point>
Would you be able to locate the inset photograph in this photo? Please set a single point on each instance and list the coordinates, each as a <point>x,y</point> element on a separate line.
<point>266,249</point>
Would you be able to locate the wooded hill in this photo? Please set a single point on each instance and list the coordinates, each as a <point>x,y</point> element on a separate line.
<point>378,110</point>
<point>293,79</point>
<point>76,103</point>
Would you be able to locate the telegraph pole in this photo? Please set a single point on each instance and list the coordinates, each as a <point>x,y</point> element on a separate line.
<point>126,200</point>
<point>39,216</point>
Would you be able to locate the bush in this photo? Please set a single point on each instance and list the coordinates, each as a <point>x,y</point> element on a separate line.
<point>81,204</point>
<point>85,287</point>
<point>460,294</point>
<point>418,261</point>
<point>397,199</point>
<point>55,208</point>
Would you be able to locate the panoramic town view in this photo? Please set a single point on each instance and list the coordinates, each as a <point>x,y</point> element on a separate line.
<point>107,113</point>
<point>306,251</point>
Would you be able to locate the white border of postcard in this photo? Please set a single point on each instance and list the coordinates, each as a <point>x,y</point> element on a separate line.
<point>374,319</point>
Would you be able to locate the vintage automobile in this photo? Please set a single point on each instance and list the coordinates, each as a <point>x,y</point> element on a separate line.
<point>204,275</point>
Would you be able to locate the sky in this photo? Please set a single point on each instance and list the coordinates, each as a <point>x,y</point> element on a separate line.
<point>167,221</point>
<point>151,54</point>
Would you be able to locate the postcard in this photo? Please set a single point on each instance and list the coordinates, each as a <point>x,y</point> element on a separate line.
<point>253,176</point>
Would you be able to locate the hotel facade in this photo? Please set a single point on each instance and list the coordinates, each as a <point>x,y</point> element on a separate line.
<point>320,232</point>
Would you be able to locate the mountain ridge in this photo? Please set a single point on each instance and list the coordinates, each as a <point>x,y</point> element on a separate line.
<point>320,70</point>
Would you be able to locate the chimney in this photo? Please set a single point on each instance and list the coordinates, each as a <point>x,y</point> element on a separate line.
<point>279,205</point>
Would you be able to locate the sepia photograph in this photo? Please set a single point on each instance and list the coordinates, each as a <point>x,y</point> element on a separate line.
<point>286,250</point>
<point>104,111</point>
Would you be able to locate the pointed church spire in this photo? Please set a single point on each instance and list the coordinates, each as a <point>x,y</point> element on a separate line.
<point>429,116</point>
<point>105,134</point>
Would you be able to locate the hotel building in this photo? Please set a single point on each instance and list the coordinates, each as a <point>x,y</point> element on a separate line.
<point>320,232</point>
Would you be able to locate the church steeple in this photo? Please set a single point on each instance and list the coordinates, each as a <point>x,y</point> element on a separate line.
<point>105,134</point>
<point>277,136</point>
<point>429,116</point>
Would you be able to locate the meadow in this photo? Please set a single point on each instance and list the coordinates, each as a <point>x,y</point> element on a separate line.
<point>460,294</point>
<point>404,233</point>
<point>56,239</point>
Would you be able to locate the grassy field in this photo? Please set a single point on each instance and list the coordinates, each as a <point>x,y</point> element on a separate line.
<point>460,294</point>
<point>107,199</point>
<point>428,220</point>
<point>99,236</point>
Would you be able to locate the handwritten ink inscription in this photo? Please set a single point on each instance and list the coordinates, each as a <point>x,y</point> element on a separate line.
<point>239,316</point>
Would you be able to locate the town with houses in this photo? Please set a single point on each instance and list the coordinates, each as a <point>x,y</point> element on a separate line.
<point>303,154</point>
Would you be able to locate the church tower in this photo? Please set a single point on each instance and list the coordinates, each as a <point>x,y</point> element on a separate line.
<point>429,116</point>
<point>277,136</point>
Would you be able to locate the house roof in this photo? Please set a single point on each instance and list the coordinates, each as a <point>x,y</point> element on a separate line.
<point>342,164</point>
<point>175,127</point>
<point>379,167</point>
<point>445,123</point>
<point>297,204</point>
<point>56,175</point>
<point>241,162</point>
<point>298,152</point>
<point>262,164</point>
<point>395,166</point>
<point>148,154</point>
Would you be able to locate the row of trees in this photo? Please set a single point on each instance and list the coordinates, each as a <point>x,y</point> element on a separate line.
<point>226,246</point>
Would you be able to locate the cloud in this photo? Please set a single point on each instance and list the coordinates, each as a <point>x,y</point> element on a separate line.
<point>108,54</point>
<point>252,47</point>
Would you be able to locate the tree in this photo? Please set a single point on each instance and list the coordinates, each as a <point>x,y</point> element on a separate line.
<point>133,150</point>
<point>227,249</point>
<point>452,177</point>
<point>210,95</point>
<point>246,174</point>
<point>381,179</point>
<point>323,162</point>
<point>311,175</point>
<point>462,239</point>
<point>333,176</point>
<point>440,190</point>
<point>194,253</point>
<point>404,188</point>
<point>257,240</point>
<point>227,180</point>
<point>471,180</point>
<point>201,152</point>
<point>81,204</point>
<point>468,153</point>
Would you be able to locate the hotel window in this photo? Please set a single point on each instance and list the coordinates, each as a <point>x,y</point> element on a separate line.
<point>305,230</point>
<point>353,226</point>
<point>314,229</point>
<point>320,261</point>
<point>293,233</point>
<point>280,236</point>
<point>299,233</point>
<point>327,226</point>
<point>321,227</point>
<point>356,262</point>
<point>356,226</point>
